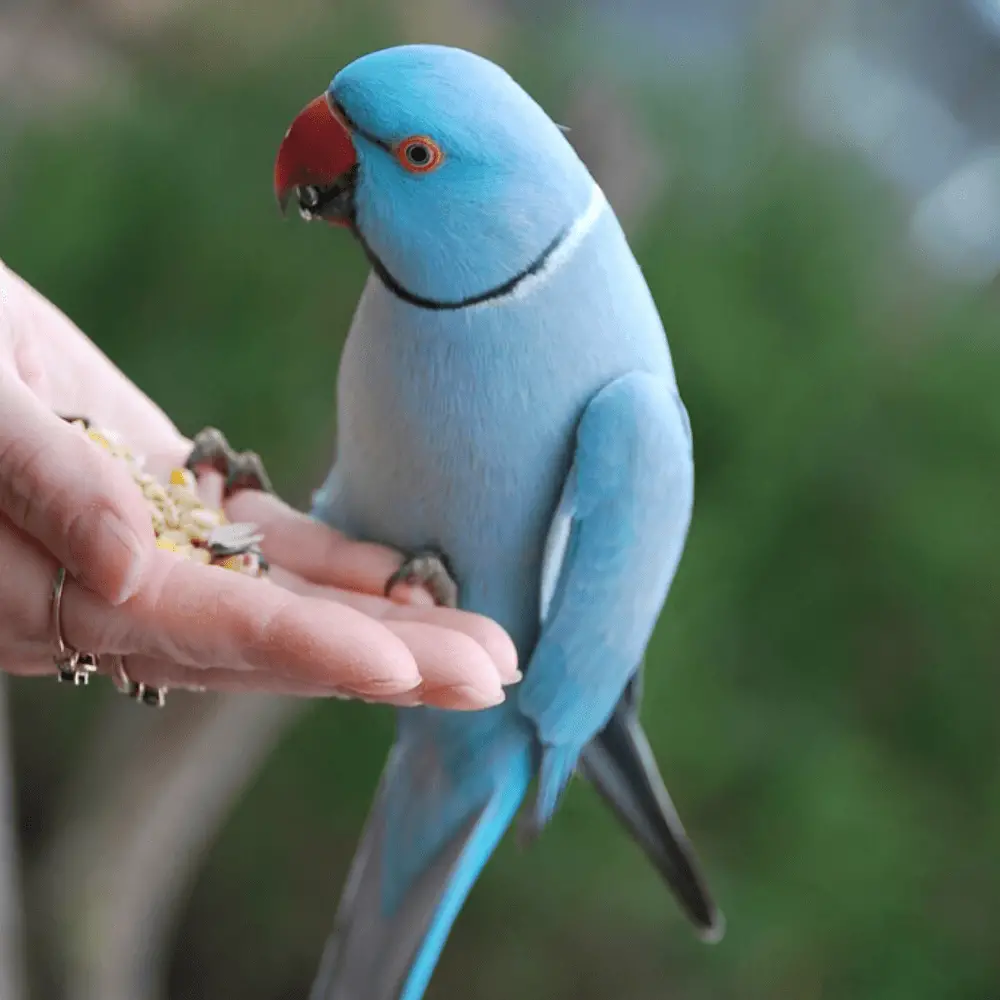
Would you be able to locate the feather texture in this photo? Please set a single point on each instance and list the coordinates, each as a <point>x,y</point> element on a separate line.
<point>538,440</point>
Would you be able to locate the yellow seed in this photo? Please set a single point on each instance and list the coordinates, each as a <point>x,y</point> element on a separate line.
<point>192,530</point>
<point>184,498</point>
<point>180,521</point>
<point>204,517</point>
<point>182,477</point>
<point>155,492</point>
<point>171,515</point>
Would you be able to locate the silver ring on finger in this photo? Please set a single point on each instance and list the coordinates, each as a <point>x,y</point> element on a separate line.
<point>74,666</point>
<point>146,694</point>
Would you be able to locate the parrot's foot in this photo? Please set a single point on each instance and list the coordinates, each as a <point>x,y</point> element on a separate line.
<point>242,470</point>
<point>427,568</point>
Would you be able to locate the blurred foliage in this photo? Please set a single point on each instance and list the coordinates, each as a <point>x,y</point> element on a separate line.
<point>822,690</point>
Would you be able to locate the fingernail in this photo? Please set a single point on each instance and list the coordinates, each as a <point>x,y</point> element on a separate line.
<point>403,699</point>
<point>511,676</point>
<point>406,700</point>
<point>118,544</point>
<point>462,696</point>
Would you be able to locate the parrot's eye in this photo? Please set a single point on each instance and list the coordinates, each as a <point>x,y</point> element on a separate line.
<point>419,154</point>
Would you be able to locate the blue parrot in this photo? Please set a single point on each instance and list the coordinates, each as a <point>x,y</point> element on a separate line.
<point>508,416</point>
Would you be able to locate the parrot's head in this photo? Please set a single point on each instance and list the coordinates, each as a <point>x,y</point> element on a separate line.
<point>454,180</point>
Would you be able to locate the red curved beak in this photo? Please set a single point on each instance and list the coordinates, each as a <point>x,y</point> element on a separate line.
<point>316,150</point>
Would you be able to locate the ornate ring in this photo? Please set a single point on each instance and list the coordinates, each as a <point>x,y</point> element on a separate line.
<point>74,666</point>
<point>147,694</point>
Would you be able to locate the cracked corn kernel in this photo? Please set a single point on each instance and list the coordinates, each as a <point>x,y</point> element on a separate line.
<point>181,522</point>
<point>183,477</point>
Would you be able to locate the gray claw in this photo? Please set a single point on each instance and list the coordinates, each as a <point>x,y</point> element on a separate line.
<point>428,568</point>
<point>242,470</point>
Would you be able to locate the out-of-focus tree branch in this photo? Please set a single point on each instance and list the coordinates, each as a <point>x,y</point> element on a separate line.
<point>12,981</point>
<point>154,789</point>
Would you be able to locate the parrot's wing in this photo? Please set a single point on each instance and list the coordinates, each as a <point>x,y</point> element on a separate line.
<point>611,554</point>
<point>613,548</point>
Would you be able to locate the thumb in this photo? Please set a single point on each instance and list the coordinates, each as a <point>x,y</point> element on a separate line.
<point>74,498</point>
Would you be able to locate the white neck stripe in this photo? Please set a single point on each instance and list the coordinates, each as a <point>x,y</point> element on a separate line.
<point>559,257</point>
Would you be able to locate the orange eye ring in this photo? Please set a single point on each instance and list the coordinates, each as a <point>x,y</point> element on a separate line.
<point>419,154</point>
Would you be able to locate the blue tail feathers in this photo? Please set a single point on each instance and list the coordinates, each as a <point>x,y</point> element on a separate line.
<point>430,832</point>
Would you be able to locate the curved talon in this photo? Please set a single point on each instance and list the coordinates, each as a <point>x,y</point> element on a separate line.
<point>241,470</point>
<point>430,569</point>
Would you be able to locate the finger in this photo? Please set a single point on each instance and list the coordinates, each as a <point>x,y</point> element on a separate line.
<point>27,573</point>
<point>310,549</point>
<point>458,673</point>
<point>79,502</point>
<point>201,617</point>
<point>70,373</point>
<point>204,616</point>
<point>161,463</point>
<point>26,666</point>
<point>173,676</point>
<point>485,632</point>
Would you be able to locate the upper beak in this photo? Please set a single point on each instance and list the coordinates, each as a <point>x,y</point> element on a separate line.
<point>317,151</point>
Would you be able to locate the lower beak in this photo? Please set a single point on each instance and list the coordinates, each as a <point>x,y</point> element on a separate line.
<point>317,161</point>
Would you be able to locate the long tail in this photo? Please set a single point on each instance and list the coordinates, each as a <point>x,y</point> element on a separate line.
<point>620,765</point>
<point>408,882</point>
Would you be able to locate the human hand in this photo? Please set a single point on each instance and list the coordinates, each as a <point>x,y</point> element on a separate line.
<point>63,501</point>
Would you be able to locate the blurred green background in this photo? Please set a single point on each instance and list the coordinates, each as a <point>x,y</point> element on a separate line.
<point>822,689</point>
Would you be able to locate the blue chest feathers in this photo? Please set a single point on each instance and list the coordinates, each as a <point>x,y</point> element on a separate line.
<point>455,428</point>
